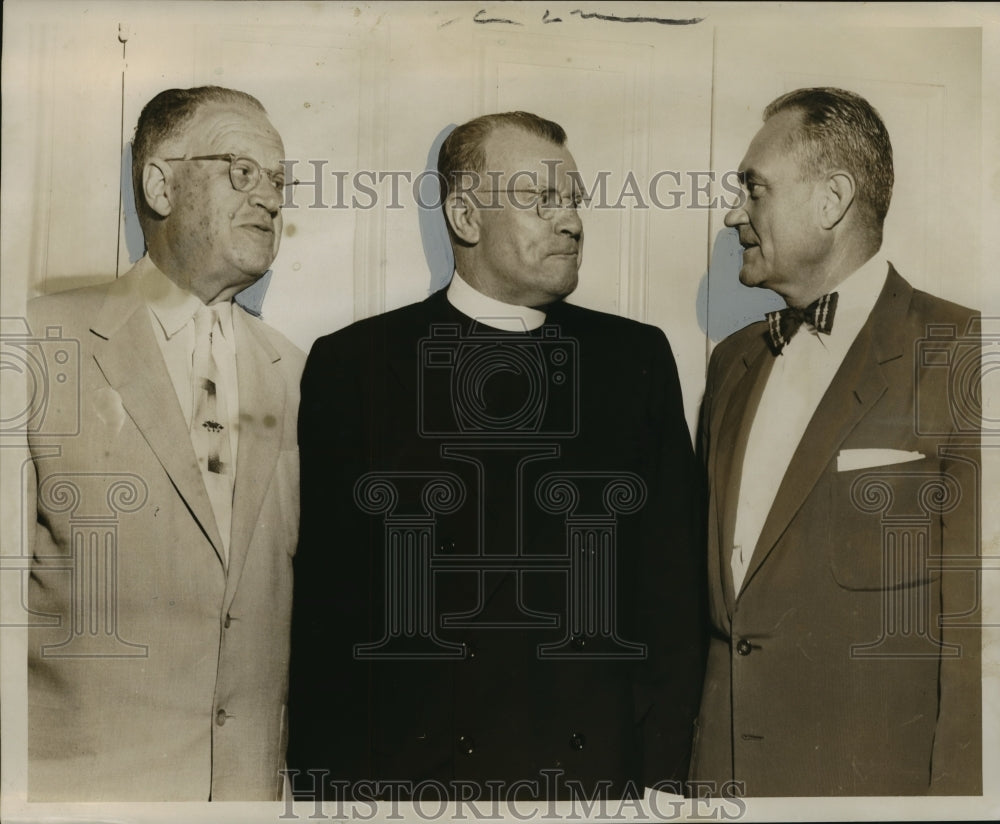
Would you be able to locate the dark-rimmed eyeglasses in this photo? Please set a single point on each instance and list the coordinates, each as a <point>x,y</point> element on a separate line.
<point>244,172</point>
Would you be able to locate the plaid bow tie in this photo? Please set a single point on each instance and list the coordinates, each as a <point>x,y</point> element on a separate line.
<point>784,323</point>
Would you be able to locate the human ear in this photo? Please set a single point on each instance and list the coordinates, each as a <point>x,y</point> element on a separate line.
<point>836,193</point>
<point>157,178</point>
<point>463,217</point>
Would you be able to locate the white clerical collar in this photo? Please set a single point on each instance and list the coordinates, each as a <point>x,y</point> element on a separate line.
<point>490,311</point>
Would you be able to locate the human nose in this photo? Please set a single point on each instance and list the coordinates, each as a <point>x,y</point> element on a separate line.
<point>267,195</point>
<point>737,216</point>
<point>568,222</point>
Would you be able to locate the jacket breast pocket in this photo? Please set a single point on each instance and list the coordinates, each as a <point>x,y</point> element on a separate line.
<point>887,533</point>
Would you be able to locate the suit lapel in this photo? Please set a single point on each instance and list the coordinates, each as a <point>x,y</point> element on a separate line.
<point>130,360</point>
<point>262,422</point>
<point>738,414</point>
<point>405,362</point>
<point>855,389</point>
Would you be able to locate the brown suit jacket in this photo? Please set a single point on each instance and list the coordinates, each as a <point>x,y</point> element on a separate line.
<point>849,663</point>
<point>154,672</point>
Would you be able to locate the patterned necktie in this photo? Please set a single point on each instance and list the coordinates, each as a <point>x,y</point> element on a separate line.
<point>210,422</point>
<point>784,323</point>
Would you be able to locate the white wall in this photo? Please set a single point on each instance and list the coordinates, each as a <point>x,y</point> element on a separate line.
<point>358,88</point>
<point>369,86</point>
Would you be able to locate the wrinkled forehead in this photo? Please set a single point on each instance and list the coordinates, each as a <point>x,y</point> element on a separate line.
<point>219,128</point>
<point>523,159</point>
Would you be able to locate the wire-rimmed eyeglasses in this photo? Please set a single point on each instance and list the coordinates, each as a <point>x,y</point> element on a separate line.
<point>244,172</point>
<point>547,202</point>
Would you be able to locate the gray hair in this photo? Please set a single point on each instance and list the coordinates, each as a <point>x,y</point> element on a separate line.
<point>166,116</point>
<point>841,130</point>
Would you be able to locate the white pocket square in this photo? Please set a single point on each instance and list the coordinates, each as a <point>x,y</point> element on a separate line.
<point>848,459</point>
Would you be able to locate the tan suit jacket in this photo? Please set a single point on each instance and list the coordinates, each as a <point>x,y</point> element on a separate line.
<point>849,664</point>
<point>156,673</point>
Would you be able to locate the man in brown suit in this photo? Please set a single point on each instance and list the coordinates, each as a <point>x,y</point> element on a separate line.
<point>843,465</point>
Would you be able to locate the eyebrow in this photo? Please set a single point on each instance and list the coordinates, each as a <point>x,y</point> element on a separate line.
<point>751,175</point>
<point>255,159</point>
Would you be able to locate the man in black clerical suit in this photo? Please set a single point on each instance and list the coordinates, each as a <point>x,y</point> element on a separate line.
<point>497,584</point>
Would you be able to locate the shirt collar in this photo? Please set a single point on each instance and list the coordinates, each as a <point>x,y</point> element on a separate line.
<point>490,311</point>
<point>172,306</point>
<point>856,296</point>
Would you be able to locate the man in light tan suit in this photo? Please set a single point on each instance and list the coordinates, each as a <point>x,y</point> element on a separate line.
<point>167,510</point>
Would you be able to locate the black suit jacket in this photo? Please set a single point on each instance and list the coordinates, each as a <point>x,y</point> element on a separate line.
<point>498,566</point>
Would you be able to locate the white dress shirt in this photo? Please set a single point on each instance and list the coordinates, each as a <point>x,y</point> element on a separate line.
<point>171,310</point>
<point>799,378</point>
<point>490,311</point>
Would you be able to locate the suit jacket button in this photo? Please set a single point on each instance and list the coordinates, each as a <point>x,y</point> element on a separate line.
<point>467,745</point>
<point>220,717</point>
<point>743,647</point>
<point>577,740</point>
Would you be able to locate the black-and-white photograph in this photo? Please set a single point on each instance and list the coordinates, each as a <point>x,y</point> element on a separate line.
<point>342,480</point>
